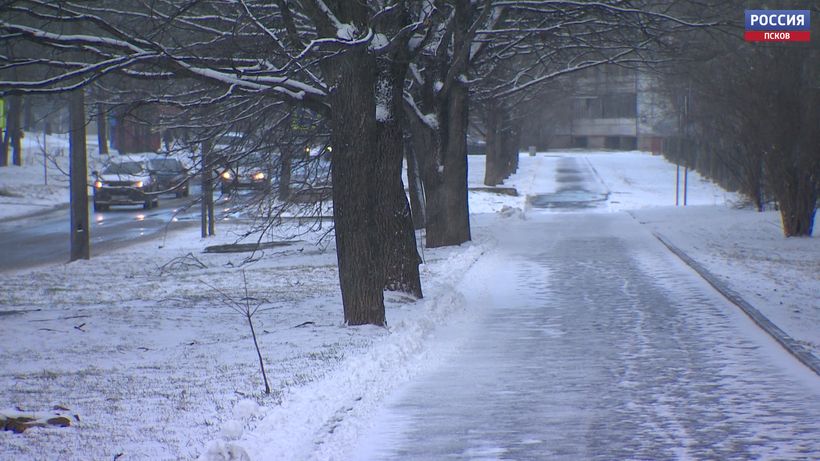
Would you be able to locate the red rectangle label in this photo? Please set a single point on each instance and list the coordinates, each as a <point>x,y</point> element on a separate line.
<point>777,36</point>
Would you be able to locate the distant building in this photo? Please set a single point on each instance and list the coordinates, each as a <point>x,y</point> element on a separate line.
<point>608,107</point>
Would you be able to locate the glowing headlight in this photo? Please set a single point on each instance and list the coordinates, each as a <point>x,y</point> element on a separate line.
<point>138,184</point>
<point>227,175</point>
<point>258,176</point>
<point>98,184</point>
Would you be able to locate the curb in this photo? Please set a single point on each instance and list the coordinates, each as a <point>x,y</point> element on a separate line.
<point>793,347</point>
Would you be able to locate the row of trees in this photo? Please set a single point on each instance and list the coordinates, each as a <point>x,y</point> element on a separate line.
<point>386,77</point>
<point>751,117</point>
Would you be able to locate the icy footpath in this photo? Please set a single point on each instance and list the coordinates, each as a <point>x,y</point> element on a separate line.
<point>324,417</point>
<point>594,342</point>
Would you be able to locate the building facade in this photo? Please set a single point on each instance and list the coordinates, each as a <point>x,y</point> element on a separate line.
<point>606,107</point>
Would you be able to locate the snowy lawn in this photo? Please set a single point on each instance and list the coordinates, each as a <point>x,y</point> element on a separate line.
<point>778,276</point>
<point>154,365</point>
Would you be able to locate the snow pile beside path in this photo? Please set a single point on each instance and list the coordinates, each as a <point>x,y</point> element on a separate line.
<point>323,418</point>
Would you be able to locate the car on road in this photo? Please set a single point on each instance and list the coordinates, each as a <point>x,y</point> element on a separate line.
<point>250,172</point>
<point>125,181</point>
<point>170,174</point>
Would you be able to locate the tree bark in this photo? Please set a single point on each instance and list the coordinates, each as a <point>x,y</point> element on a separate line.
<point>401,258</point>
<point>353,137</point>
<point>400,255</point>
<point>285,166</point>
<point>28,114</point>
<point>493,169</point>
<point>4,149</point>
<point>448,213</point>
<point>798,204</point>
<point>15,129</point>
<point>207,225</point>
<point>415,186</point>
<point>793,159</point>
<point>102,129</point>
<point>444,146</point>
<point>511,143</point>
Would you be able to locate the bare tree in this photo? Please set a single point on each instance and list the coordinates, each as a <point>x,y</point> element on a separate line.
<point>346,62</point>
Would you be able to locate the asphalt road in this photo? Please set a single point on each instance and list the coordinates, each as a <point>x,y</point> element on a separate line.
<point>44,238</point>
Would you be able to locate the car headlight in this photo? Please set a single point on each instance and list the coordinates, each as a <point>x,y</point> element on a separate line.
<point>139,184</point>
<point>258,176</point>
<point>98,184</point>
<point>227,175</point>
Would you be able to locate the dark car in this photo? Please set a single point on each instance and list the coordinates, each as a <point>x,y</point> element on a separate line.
<point>170,174</point>
<point>253,172</point>
<point>125,181</point>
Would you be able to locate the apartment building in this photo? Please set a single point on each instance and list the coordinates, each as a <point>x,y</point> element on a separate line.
<point>607,107</point>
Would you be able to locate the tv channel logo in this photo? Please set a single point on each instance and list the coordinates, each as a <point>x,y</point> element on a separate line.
<point>778,26</point>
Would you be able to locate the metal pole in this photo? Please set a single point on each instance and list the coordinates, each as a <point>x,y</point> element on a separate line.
<point>685,182</point>
<point>677,184</point>
<point>45,155</point>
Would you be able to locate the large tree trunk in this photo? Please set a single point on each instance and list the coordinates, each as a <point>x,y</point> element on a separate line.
<point>400,257</point>
<point>493,169</point>
<point>15,129</point>
<point>4,149</point>
<point>445,167</point>
<point>285,167</point>
<point>797,184</point>
<point>503,139</point>
<point>512,145</point>
<point>793,160</point>
<point>28,114</point>
<point>448,213</point>
<point>102,128</point>
<point>798,206</point>
<point>415,186</point>
<point>353,136</point>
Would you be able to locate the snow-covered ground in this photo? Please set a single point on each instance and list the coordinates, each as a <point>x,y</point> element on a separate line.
<point>140,345</point>
<point>42,182</point>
